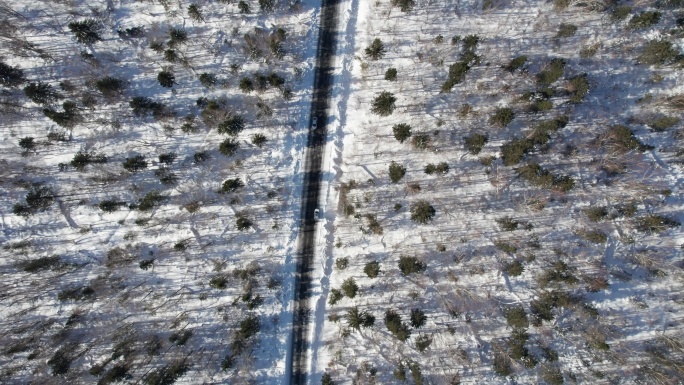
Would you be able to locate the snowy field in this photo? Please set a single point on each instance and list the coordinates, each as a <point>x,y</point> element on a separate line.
<point>561,264</point>
<point>125,254</point>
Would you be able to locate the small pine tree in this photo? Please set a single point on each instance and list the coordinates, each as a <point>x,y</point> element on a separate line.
<point>259,139</point>
<point>402,131</point>
<point>86,31</point>
<point>166,79</point>
<point>475,142</point>
<point>110,86</point>
<point>422,212</point>
<point>195,13</point>
<point>502,117</point>
<point>376,50</point>
<point>41,93</point>
<point>232,185</point>
<point>208,80</point>
<point>326,379</point>
<point>372,269</point>
<point>391,74</point>
<point>243,7</point>
<point>11,76</point>
<point>229,147</point>
<point>135,163</point>
<point>27,143</point>
<point>418,318</point>
<point>349,287</point>
<point>383,104</point>
<point>396,172</point>
<point>410,265</point>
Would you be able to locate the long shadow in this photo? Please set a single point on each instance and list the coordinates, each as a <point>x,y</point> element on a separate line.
<point>320,103</point>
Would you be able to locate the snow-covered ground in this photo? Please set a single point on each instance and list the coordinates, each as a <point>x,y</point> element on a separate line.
<point>624,291</point>
<point>128,287</point>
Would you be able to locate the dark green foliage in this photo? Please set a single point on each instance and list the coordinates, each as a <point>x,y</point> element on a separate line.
<point>165,175</point>
<point>349,287</point>
<point>335,295</point>
<point>502,117</point>
<point>507,223</point>
<point>559,273</point>
<point>266,5</point>
<point>249,327</point>
<point>177,36</point>
<point>229,147</point>
<point>663,122</point>
<point>166,79</point>
<point>516,344</point>
<point>60,362</point>
<point>40,264</point>
<point>228,362</point>
<point>541,177</point>
<point>416,374</point>
<point>358,319</point>
<point>246,85</point>
<point>410,265</point>
<point>514,268</point>
<point>117,373</point>
<point>41,93</point>
<point>171,56</point>
<point>81,293</point>
<point>135,163</point>
<point>376,50</point>
<point>470,43</point>
<point>232,185</point>
<point>110,86</point>
<point>552,72</point>
<point>69,118</point>
<point>658,52</point>
<point>201,157</point>
<point>395,326</point>
<point>143,106</point>
<point>440,168</point>
<point>243,7</point>
<point>180,337</point>
<point>579,88</point>
<point>259,140</point>
<point>243,223</point>
<point>218,282</point>
<point>167,158</point>
<point>620,13</point>
<point>566,30</point>
<point>542,308</point>
<point>422,212</point>
<point>133,32</point>
<point>391,74</point>
<point>620,139</point>
<point>644,20</point>
<point>166,375</point>
<point>514,151</point>
<point>110,206</point>
<point>396,172</point>
<point>383,104</point>
<point>232,126</point>
<point>404,5</point>
<point>146,264</point>
<point>402,131</point>
<point>423,342</point>
<point>418,318</point>
<point>596,213</point>
<point>372,269</point>
<point>655,223</point>
<point>195,13</point>
<point>342,263</point>
<point>151,200</point>
<point>516,317</point>
<point>40,198</point>
<point>86,31</point>
<point>326,379</point>
<point>27,144</point>
<point>83,158</point>
<point>400,372</point>
<point>11,76</point>
<point>475,142</point>
<point>541,106</point>
<point>516,63</point>
<point>457,73</point>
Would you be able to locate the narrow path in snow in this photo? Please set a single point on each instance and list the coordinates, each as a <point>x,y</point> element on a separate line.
<point>297,362</point>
